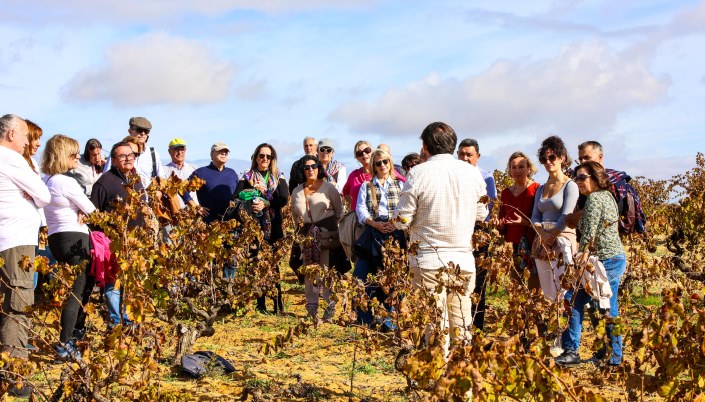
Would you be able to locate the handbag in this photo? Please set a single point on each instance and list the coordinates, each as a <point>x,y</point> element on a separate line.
<point>330,240</point>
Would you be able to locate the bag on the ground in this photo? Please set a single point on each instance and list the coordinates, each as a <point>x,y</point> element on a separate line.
<point>202,362</point>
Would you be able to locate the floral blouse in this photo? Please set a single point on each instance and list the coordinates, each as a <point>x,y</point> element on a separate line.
<point>599,221</point>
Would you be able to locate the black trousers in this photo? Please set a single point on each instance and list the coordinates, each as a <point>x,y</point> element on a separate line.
<point>73,248</point>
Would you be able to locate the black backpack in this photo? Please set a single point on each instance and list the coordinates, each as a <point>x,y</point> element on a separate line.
<point>631,217</point>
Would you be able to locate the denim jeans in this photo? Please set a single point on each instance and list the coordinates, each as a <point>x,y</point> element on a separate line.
<point>615,268</point>
<point>364,267</point>
<point>114,303</point>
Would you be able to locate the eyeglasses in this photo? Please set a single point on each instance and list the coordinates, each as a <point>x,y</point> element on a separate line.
<point>367,151</point>
<point>265,156</point>
<point>581,177</point>
<point>140,130</point>
<point>550,158</point>
<point>384,162</point>
<point>126,157</point>
<point>327,150</point>
<point>310,167</point>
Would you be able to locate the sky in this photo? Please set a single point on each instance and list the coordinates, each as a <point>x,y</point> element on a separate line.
<point>629,74</point>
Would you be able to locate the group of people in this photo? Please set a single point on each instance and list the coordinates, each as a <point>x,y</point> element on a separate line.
<point>433,198</point>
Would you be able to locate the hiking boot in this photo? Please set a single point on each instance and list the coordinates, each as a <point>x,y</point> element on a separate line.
<point>568,358</point>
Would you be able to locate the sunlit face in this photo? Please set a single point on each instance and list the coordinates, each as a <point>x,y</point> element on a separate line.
<point>34,146</point>
<point>586,183</point>
<point>469,155</point>
<point>124,159</point>
<point>141,134</point>
<point>95,156</point>
<point>220,157</point>
<point>363,153</point>
<point>74,158</point>
<point>20,138</point>
<point>264,158</point>
<point>551,161</point>
<point>310,170</point>
<point>310,147</point>
<point>519,169</point>
<point>177,154</point>
<point>325,154</point>
<point>589,153</point>
<point>382,166</point>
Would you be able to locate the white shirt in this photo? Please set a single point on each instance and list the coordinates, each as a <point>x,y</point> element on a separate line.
<point>383,207</point>
<point>440,205</point>
<point>67,198</point>
<point>184,173</point>
<point>19,218</point>
<point>143,166</point>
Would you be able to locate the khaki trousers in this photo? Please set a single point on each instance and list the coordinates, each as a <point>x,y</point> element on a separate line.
<point>17,288</point>
<point>454,304</point>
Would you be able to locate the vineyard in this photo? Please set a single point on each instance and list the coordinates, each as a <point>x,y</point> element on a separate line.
<point>180,302</point>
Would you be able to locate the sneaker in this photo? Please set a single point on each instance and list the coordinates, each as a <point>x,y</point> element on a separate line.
<point>67,351</point>
<point>568,358</point>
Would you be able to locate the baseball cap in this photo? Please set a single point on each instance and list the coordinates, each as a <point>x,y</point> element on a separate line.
<point>140,122</point>
<point>177,142</point>
<point>326,142</point>
<point>219,146</point>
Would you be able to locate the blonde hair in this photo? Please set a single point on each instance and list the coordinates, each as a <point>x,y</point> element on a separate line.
<point>383,155</point>
<point>532,168</point>
<point>58,154</point>
<point>357,144</point>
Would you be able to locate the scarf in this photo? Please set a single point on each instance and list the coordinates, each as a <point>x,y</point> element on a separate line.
<point>255,178</point>
<point>332,171</point>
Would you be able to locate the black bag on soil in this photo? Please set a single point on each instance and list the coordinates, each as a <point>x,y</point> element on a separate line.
<point>198,364</point>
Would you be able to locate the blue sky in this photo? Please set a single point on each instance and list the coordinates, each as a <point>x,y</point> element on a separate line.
<point>629,74</point>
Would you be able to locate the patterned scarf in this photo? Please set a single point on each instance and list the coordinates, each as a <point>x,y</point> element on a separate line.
<point>332,171</point>
<point>270,182</point>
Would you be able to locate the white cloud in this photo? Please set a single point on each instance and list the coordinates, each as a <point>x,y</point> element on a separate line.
<point>580,91</point>
<point>152,69</point>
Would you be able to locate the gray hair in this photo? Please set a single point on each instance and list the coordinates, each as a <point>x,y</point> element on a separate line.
<point>7,123</point>
<point>309,138</point>
<point>594,144</point>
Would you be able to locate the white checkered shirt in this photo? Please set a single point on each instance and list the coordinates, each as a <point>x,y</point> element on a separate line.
<point>439,205</point>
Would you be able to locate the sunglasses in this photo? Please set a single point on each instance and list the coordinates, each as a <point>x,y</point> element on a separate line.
<point>140,130</point>
<point>367,151</point>
<point>310,167</point>
<point>581,177</point>
<point>265,156</point>
<point>550,158</point>
<point>326,150</point>
<point>384,162</point>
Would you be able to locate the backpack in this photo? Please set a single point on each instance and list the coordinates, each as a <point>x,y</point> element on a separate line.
<point>631,216</point>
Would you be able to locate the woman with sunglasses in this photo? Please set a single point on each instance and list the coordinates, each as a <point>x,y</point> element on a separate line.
<point>553,201</point>
<point>265,187</point>
<point>68,235</point>
<point>363,153</point>
<point>599,230</point>
<point>318,205</point>
<point>334,171</point>
<point>377,200</point>
<point>514,219</point>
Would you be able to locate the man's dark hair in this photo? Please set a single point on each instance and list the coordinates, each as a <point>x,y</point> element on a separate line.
<point>410,161</point>
<point>116,146</point>
<point>439,138</point>
<point>469,142</point>
<point>91,145</point>
<point>319,165</point>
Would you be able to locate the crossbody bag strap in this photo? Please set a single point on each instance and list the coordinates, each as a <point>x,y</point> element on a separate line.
<point>154,162</point>
<point>373,190</point>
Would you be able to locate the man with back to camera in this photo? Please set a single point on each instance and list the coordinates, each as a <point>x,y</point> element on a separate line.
<point>440,215</point>
<point>21,193</point>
